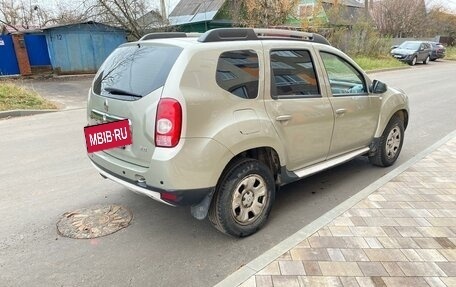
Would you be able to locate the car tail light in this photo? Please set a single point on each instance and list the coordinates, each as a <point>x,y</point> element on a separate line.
<point>168,123</point>
<point>168,196</point>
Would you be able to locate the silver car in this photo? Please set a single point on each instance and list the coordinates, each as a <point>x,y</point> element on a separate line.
<point>220,121</point>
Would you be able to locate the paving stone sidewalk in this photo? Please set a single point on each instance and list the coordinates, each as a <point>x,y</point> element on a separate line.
<point>403,234</point>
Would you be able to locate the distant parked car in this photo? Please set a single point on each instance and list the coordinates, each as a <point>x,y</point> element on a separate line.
<point>412,52</point>
<point>438,51</point>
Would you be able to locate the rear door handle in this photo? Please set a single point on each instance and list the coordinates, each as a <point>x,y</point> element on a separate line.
<point>340,112</point>
<point>283,118</point>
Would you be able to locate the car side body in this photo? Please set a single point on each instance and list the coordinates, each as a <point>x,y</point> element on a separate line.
<point>271,110</point>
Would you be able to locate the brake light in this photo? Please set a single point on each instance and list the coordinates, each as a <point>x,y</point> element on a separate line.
<point>168,196</point>
<point>168,123</point>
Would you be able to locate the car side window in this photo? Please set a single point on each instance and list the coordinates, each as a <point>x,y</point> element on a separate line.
<point>293,74</point>
<point>238,73</point>
<point>343,77</point>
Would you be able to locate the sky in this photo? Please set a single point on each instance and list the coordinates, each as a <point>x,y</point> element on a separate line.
<point>170,4</point>
<point>448,4</point>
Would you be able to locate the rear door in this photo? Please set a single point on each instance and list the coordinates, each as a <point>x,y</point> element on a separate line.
<point>129,86</point>
<point>301,114</point>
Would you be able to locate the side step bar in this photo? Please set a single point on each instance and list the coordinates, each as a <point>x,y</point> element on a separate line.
<point>330,163</point>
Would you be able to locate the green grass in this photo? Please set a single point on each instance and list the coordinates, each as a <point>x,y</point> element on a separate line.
<point>13,97</point>
<point>370,63</point>
<point>450,53</point>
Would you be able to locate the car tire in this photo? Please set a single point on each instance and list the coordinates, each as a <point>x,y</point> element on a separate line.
<point>390,143</point>
<point>426,61</point>
<point>413,62</point>
<point>243,199</point>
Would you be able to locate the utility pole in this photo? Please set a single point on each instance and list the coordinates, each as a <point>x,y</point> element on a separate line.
<point>163,9</point>
<point>366,9</point>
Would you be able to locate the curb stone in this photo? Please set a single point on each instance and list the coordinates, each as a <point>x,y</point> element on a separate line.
<point>387,70</point>
<point>22,113</point>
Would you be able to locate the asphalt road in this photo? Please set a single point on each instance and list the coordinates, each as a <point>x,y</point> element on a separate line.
<point>44,173</point>
<point>68,92</point>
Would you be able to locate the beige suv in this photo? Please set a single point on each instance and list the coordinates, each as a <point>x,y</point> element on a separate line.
<point>220,121</point>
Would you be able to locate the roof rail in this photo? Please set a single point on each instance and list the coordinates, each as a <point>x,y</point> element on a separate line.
<point>228,34</point>
<point>238,34</point>
<point>291,35</point>
<point>163,35</point>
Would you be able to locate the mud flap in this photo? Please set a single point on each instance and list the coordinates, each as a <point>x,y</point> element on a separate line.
<point>373,147</point>
<point>200,210</point>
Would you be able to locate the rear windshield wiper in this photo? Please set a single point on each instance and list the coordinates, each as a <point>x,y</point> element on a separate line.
<point>115,91</point>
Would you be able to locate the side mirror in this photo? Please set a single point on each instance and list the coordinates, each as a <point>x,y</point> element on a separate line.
<point>379,87</point>
<point>394,47</point>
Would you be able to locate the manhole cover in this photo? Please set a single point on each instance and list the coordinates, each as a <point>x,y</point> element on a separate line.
<point>92,222</point>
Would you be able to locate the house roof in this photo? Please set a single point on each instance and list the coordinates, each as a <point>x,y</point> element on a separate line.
<point>151,19</point>
<point>192,11</point>
<point>82,23</point>
<point>5,29</point>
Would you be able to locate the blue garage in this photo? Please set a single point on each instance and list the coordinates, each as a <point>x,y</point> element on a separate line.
<point>81,47</point>
<point>37,49</point>
<point>8,61</point>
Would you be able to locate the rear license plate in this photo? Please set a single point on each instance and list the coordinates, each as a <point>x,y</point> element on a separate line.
<point>107,136</point>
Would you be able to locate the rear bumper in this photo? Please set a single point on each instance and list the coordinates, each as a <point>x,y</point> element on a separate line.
<point>438,55</point>
<point>169,197</point>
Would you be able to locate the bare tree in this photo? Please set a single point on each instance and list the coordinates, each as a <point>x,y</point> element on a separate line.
<point>262,13</point>
<point>235,11</point>
<point>21,14</point>
<point>313,16</point>
<point>394,19</point>
<point>441,22</point>
<point>128,14</point>
<point>65,14</point>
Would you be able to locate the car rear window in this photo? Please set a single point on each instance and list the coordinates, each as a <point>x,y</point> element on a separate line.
<point>133,71</point>
<point>293,74</point>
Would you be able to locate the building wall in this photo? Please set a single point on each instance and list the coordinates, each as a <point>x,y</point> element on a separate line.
<point>398,41</point>
<point>81,48</point>
<point>21,54</point>
<point>8,60</point>
<point>37,49</point>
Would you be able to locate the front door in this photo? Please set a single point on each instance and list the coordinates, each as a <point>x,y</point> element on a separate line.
<point>302,117</point>
<point>356,111</point>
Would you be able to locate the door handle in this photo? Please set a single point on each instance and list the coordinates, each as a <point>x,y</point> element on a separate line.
<point>283,118</point>
<point>340,112</point>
